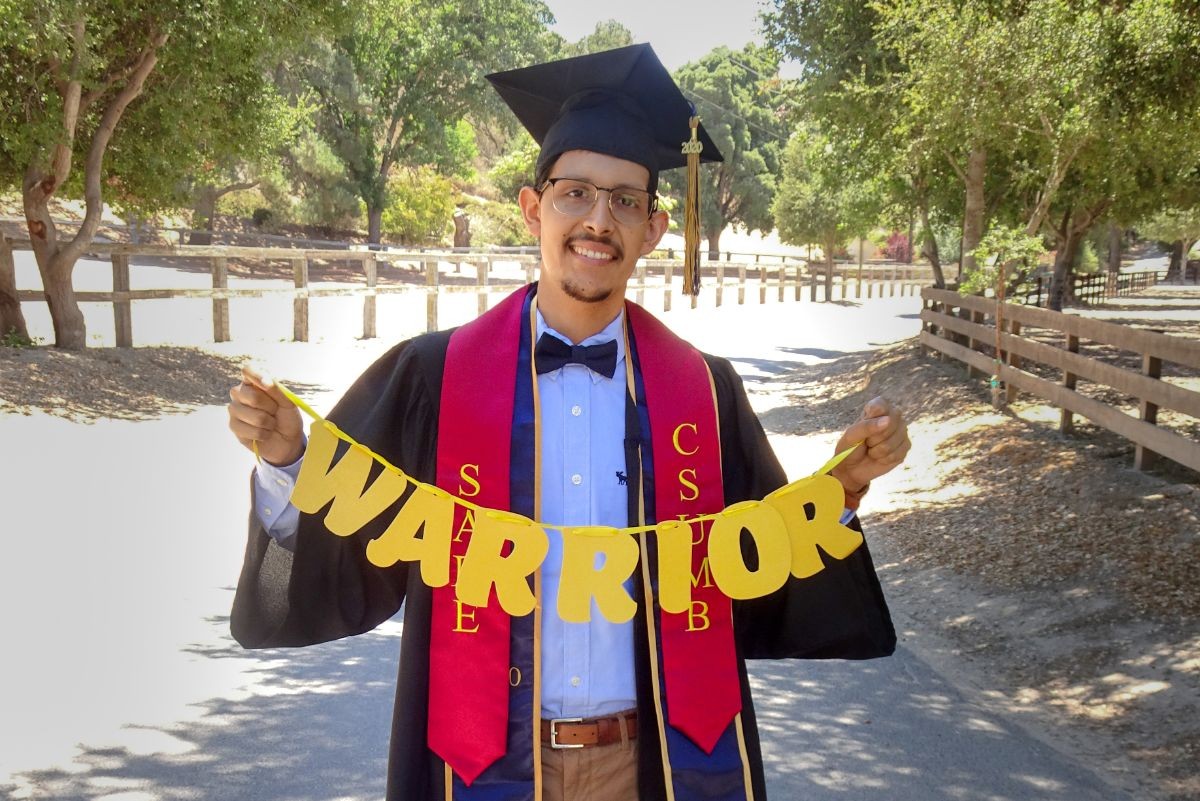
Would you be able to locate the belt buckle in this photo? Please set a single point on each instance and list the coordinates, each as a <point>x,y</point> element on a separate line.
<point>554,743</point>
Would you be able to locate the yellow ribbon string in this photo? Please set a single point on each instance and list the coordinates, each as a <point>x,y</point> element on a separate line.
<point>438,491</point>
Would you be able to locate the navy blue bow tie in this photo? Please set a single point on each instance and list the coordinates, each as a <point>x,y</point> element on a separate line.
<point>552,353</point>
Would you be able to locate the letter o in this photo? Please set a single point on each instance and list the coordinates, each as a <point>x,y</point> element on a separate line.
<point>770,535</point>
<point>514,676</point>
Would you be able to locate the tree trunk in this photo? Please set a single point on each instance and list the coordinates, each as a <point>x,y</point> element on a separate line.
<point>204,212</point>
<point>374,224</point>
<point>12,320</point>
<point>714,244</point>
<point>1064,263</point>
<point>462,229</point>
<point>975,207</point>
<point>1175,265</point>
<point>912,224</point>
<point>1115,235</point>
<point>930,249</point>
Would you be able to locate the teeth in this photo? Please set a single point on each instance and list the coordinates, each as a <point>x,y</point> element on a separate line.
<point>591,254</point>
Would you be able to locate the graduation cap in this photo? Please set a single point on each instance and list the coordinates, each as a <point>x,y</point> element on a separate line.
<point>621,103</point>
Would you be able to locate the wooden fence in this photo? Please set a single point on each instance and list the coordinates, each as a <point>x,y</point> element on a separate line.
<point>1095,287</point>
<point>718,277</point>
<point>964,328</point>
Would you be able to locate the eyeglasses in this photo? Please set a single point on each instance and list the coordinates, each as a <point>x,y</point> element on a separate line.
<point>629,206</point>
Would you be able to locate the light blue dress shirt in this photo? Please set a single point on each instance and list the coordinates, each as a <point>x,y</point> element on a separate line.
<point>587,668</point>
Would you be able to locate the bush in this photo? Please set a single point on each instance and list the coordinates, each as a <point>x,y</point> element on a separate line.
<point>420,206</point>
<point>897,247</point>
<point>495,223</point>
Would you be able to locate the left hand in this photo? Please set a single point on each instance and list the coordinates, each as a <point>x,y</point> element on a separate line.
<point>884,437</point>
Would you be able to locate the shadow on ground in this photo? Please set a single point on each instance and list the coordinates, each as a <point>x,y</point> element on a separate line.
<point>119,383</point>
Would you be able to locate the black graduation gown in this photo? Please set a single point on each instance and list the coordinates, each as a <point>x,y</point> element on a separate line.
<point>326,589</point>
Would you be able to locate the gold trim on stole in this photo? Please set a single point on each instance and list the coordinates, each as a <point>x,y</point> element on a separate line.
<point>651,636</point>
<point>537,574</point>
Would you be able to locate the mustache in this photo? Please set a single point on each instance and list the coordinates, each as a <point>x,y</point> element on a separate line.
<point>600,240</point>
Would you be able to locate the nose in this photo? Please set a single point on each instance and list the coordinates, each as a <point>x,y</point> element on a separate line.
<point>600,220</point>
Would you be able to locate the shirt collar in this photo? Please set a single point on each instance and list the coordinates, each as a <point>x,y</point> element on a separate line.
<point>614,331</point>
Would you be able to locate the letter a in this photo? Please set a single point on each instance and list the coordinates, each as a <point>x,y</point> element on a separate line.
<point>424,510</point>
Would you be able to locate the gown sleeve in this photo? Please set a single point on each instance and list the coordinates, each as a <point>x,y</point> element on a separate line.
<point>325,588</point>
<point>839,613</point>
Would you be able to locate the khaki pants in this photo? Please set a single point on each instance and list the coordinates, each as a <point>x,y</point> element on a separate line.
<point>596,773</point>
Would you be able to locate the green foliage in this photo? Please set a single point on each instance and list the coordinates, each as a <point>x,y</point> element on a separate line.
<point>736,97</point>
<point>394,88</point>
<point>1172,225</point>
<point>14,339</point>
<point>497,223</point>
<point>420,206</point>
<point>814,203</point>
<point>208,102</point>
<point>607,35</point>
<point>515,168</point>
<point>1000,248</point>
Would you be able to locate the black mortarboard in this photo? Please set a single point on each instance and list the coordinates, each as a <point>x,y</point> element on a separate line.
<point>620,102</point>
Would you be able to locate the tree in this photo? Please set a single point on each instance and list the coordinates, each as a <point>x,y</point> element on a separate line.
<point>135,93</point>
<point>393,89</point>
<point>607,35</point>
<point>1178,227</point>
<point>814,202</point>
<point>734,93</point>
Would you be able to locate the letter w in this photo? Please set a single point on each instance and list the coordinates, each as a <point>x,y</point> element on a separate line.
<point>354,504</point>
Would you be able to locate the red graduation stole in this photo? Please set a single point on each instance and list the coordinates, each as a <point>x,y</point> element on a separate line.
<point>469,647</point>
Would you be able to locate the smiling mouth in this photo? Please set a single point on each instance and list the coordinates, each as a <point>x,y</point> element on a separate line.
<point>592,254</point>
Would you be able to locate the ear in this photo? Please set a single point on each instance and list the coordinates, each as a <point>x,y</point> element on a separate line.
<point>656,227</point>
<point>531,210</point>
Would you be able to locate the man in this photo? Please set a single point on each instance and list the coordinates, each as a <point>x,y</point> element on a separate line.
<point>571,407</point>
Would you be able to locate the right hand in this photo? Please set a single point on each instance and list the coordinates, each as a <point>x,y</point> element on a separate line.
<point>259,412</point>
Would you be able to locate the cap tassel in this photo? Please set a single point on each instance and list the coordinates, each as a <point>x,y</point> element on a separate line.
<point>691,213</point>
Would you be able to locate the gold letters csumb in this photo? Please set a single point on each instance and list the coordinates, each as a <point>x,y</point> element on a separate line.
<point>470,474</point>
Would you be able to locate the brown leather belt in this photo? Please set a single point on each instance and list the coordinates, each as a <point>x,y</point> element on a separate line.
<point>578,733</point>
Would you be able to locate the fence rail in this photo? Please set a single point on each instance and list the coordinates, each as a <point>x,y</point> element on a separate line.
<point>1094,288</point>
<point>655,275</point>
<point>964,328</point>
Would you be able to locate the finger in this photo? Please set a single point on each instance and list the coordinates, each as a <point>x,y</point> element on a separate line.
<point>885,450</point>
<point>250,395</point>
<point>266,383</point>
<point>858,432</point>
<point>877,407</point>
<point>246,432</point>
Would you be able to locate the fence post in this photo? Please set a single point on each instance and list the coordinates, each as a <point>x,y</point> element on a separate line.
<point>641,279</point>
<point>300,303</point>
<point>122,307</point>
<point>782,279</point>
<point>431,296</point>
<point>858,284</point>
<point>220,280</point>
<point>1066,420</point>
<point>369,299</point>
<point>742,283</point>
<point>812,286</point>
<point>1014,361</point>
<point>720,282</point>
<point>972,343</point>
<point>481,276</point>
<point>667,287</point>
<point>1143,457</point>
<point>529,266</point>
<point>892,291</point>
<point>762,284</point>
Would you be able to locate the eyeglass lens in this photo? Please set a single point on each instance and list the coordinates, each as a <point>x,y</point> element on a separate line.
<point>576,198</point>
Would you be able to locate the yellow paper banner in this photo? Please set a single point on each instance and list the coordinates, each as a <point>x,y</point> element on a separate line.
<point>787,528</point>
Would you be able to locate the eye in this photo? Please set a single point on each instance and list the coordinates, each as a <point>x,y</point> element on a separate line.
<point>630,200</point>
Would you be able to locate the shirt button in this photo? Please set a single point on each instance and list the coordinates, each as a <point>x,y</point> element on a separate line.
<point>576,479</point>
<point>575,681</point>
<point>576,410</point>
<point>267,512</point>
<point>281,482</point>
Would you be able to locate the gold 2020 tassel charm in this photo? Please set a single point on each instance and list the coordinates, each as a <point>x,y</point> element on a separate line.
<point>691,213</point>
